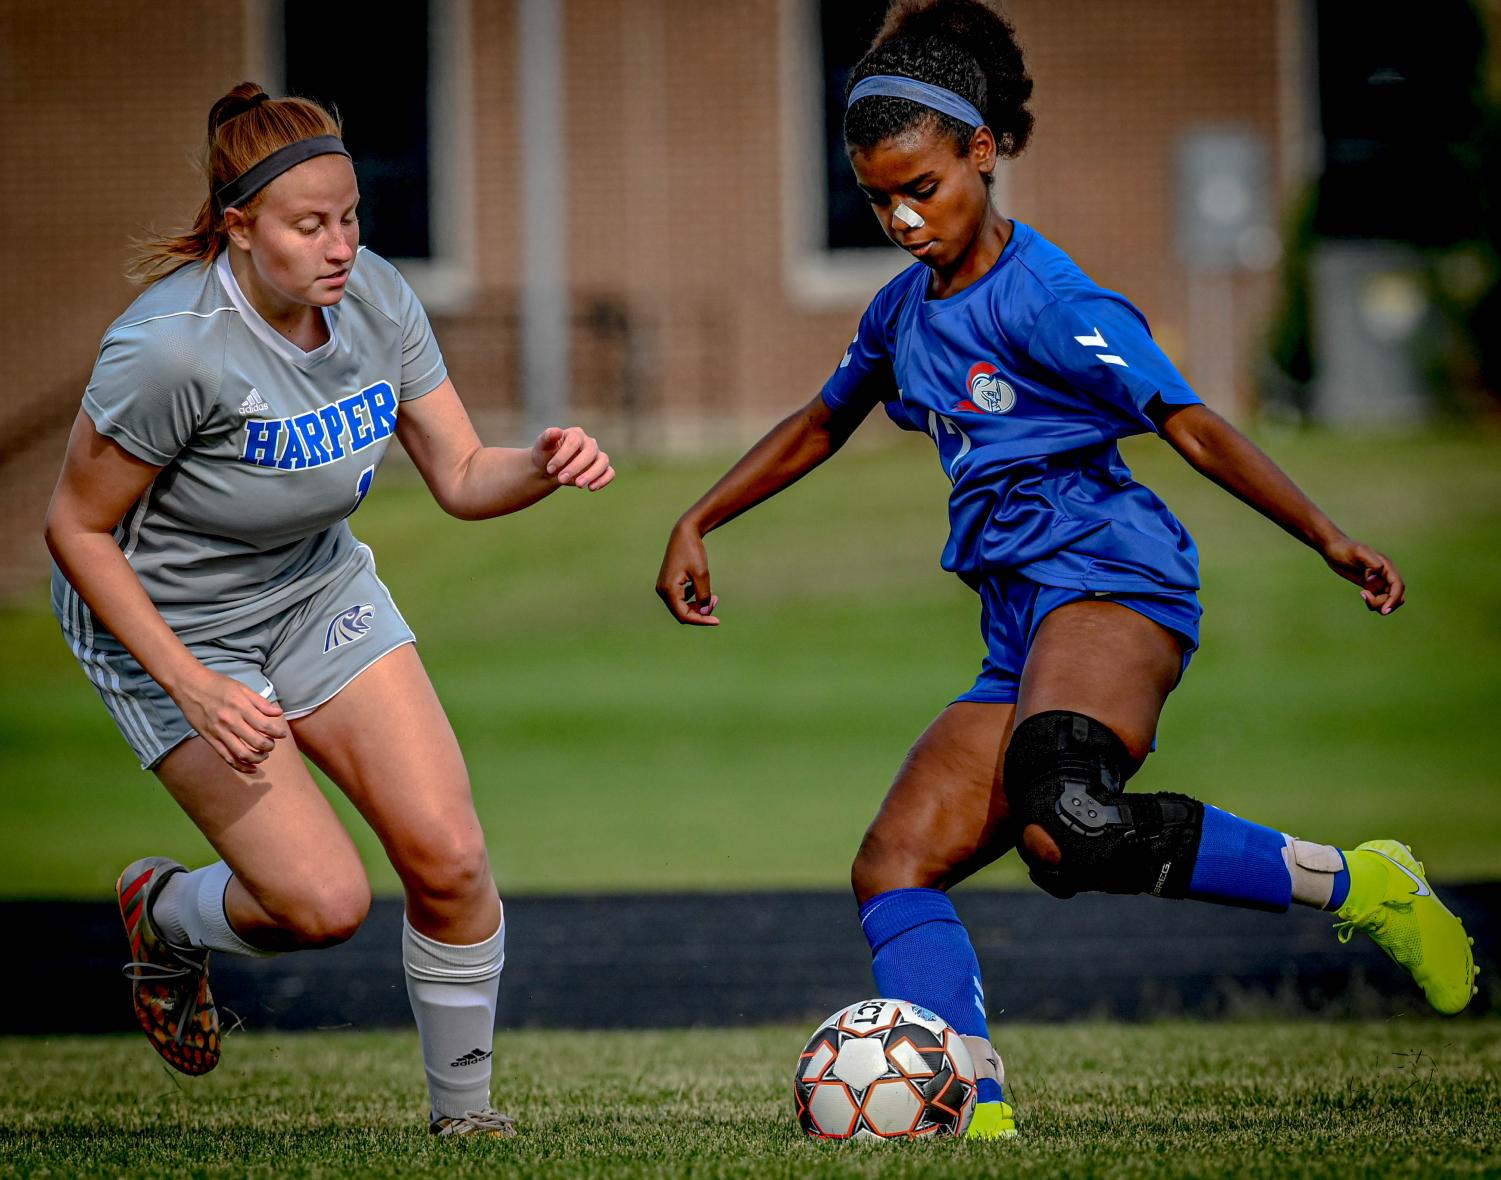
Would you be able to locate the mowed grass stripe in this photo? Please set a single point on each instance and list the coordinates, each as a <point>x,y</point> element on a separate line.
<point>1257,1099</point>
<point>611,749</point>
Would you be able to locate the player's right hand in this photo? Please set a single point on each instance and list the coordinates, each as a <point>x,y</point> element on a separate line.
<point>683,582</point>
<point>242,726</point>
<point>1381,586</point>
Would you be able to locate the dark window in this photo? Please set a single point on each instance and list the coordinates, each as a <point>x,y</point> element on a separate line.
<point>1397,113</point>
<point>846,29</point>
<point>375,73</point>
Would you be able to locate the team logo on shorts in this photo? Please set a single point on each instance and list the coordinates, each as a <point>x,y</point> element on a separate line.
<point>988,393</point>
<point>347,626</point>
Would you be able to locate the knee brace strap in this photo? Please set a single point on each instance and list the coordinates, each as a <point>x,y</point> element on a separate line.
<point>1065,772</point>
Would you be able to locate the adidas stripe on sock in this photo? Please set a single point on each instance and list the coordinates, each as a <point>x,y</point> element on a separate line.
<point>453,991</point>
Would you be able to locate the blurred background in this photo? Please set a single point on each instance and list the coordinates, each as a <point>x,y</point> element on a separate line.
<point>637,214</point>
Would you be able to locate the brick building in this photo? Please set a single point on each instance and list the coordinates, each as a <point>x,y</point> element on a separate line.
<point>702,294</point>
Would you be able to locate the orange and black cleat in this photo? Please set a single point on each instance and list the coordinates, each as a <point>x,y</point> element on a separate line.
<point>487,1124</point>
<point>168,983</point>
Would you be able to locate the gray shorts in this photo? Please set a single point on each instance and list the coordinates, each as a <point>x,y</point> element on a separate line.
<point>300,658</point>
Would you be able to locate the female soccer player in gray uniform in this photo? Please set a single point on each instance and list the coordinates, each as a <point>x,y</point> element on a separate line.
<point>208,583</point>
<point>1025,373</point>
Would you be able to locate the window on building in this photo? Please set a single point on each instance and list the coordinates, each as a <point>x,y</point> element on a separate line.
<point>1398,117</point>
<point>834,252</point>
<point>400,84</point>
<point>846,28</point>
<point>385,112</point>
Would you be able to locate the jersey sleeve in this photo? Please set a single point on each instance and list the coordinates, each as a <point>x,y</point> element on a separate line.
<point>150,391</point>
<point>1104,348</point>
<point>865,376</point>
<point>422,367</point>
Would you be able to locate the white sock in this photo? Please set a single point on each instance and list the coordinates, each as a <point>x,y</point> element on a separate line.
<point>453,990</point>
<point>189,910</point>
<point>987,1061</point>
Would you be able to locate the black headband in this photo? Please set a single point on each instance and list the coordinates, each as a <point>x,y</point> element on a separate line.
<point>257,177</point>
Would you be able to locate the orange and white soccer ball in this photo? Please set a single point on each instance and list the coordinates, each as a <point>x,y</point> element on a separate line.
<point>884,1069</point>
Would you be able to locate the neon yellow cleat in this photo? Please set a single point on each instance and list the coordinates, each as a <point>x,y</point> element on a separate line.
<point>992,1120</point>
<point>1391,901</point>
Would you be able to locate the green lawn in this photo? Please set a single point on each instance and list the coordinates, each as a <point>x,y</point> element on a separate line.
<point>1255,1100</point>
<point>611,749</point>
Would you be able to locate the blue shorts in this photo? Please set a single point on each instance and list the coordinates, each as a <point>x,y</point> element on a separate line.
<point>1012,608</point>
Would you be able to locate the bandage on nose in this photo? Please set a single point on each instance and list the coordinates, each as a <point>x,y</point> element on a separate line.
<point>907,217</point>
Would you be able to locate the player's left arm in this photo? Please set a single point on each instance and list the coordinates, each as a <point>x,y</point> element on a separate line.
<point>474,482</point>
<point>1223,454</point>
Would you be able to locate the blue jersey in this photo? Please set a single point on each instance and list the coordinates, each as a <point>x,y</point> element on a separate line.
<point>1025,380</point>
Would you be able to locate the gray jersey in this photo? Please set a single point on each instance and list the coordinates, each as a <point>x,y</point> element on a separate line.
<point>264,449</point>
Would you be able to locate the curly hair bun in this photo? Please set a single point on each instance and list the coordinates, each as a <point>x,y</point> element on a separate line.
<point>966,46</point>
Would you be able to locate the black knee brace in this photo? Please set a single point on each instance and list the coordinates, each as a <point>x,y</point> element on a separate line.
<point>1066,773</point>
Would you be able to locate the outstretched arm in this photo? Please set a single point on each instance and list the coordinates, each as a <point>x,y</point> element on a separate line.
<point>792,448</point>
<point>1220,452</point>
<point>475,482</point>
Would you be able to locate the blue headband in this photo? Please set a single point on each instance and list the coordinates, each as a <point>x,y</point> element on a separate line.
<point>924,93</point>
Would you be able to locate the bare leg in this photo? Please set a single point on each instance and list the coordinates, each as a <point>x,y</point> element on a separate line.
<point>1108,662</point>
<point>298,881</point>
<point>387,743</point>
<point>944,816</point>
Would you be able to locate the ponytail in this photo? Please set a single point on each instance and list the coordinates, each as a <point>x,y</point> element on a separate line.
<point>244,127</point>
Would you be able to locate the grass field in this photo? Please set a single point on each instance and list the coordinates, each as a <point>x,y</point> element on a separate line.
<point>612,750</point>
<point>1284,1100</point>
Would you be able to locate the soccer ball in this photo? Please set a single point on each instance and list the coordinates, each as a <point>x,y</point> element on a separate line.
<point>884,1069</point>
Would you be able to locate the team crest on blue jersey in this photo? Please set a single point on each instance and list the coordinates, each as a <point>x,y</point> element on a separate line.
<point>348,626</point>
<point>988,393</point>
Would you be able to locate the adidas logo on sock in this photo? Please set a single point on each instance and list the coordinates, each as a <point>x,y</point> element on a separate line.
<point>473,1057</point>
<point>254,404</point>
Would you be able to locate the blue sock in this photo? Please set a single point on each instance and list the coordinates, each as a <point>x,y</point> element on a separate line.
<point>921,953</point>
<point>1341,886</point>
<point>1240,863</point>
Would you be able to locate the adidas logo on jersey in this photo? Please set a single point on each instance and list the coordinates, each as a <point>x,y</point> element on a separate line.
<point>254,404</point>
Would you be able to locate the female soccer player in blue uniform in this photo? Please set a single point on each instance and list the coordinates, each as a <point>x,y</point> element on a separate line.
<point>1025,374</point>
<point>208,583</point>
